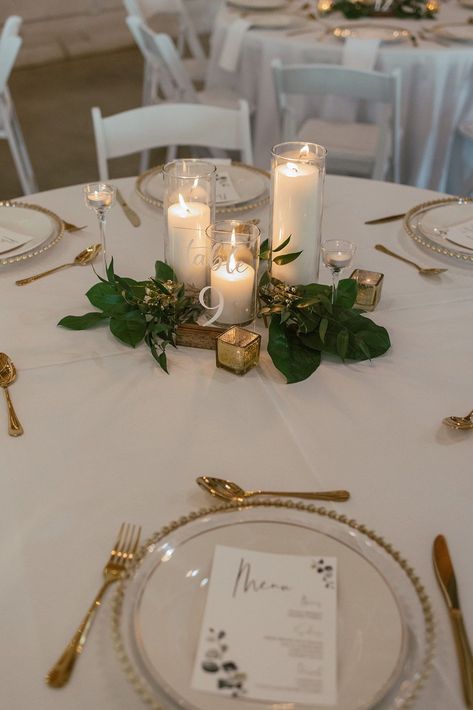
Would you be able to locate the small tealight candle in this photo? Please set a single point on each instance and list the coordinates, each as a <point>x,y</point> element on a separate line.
<point>238,350</point>
<point>339,259</point>
<point>370,284</point>
<point>99,199</point>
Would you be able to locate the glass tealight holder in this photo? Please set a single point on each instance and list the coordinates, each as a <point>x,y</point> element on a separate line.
<point>238,350</point>
<point>337,255</point>
<point>369,287</point>
<point>189,208</point>
<point>297,190</point>
<point>100,197</point>
<point>232,274</point>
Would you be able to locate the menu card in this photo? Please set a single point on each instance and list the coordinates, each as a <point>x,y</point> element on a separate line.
<point>10,240</point>
<point>225,189</point>
<point>269,628</point>
<point>462,233</point>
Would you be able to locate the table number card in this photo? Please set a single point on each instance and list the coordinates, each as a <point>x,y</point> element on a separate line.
<point>225,190</point>
<point>269,628</point>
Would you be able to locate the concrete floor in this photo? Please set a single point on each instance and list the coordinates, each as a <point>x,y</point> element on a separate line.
<point>53,103</point>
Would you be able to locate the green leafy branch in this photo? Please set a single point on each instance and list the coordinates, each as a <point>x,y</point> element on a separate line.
<point>414,9</point>
<point>137,311</point>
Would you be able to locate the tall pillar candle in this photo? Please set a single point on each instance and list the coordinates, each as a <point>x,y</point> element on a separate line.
<point>187,223</point>
<point>298,173</point>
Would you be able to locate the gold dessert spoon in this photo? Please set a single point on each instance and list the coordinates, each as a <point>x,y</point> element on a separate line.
<point>459,422</point>
<point>228,490</point>
<point>83,258</point>
<point>7,377</point>
<point>422,270</point>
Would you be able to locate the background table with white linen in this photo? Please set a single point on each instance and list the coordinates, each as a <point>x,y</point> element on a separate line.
<point>109,437</point>
<point>437,89</point>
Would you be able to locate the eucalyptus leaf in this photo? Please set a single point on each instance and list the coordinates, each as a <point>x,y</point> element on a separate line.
<point>88,320</point>
<point>346,293</point>
<point>105,296</point>
<point>286,258</point>
<point>284,244</point>
<point>130,328</point>
<point>323,329</point>
<point>289,355</point>
<point>163,272</point>
<point>343,338</point>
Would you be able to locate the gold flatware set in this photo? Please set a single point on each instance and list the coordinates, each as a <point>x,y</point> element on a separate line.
<point>228,490</point>
<point>7,377</point>
<point>122,553</point>
<point>82,259</point>
<point>424,271</point>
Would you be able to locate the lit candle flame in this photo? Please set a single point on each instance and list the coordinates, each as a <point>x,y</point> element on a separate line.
<point>231,266</point>
<point>233,237</point>
<point>304,151</point>
<point>182,202</point>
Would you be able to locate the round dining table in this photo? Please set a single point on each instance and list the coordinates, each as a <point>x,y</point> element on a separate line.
<point>109,437</point>
<point>436,84</point>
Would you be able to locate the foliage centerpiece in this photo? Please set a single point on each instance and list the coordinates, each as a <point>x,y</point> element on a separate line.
<point>406,9</point>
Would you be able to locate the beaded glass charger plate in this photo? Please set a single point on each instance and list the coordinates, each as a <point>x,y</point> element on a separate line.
<point>40,228</point>
<point>455,31</point>
<point>385,33</point>
<point>251,184</point>
<point>258,4</point>
<point>445,227</point>
<point>384,619</point>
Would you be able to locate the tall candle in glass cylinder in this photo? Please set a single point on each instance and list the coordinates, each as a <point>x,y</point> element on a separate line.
<point>297,183</point>
<point>189,203</point>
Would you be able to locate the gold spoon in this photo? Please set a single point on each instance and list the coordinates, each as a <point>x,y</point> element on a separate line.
<point>85,257</point>
<point>228,490</point>
<point>7,376</point>
<point>420,269</point>
<point>459,422</point>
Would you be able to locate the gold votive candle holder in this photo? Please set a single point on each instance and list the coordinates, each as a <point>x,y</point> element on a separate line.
<point>370,284</point>
<point>238,350</point>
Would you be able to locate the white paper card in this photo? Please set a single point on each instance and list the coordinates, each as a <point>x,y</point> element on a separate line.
<point>462,233</point>
<point>10,240</point>
<point>269,628</point>
<point>225,189</point>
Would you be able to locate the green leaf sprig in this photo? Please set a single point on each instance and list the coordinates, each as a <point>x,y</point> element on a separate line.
<point>413,9</point>
<point>135,311</point>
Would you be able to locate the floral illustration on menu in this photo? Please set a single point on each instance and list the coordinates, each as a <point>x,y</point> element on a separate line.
<point>227,675</point>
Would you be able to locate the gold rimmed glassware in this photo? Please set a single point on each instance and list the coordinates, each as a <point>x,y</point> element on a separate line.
<point>100,197</point>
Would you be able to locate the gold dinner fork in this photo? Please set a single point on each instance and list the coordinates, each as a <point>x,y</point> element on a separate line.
<point>121,554</point>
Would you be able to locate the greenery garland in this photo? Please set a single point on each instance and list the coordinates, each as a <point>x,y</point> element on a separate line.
<point>413,9</point>
<point>303,321</point>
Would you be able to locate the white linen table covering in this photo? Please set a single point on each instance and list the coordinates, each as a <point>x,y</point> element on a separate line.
<point>437,89</point>
<point>109,437</point>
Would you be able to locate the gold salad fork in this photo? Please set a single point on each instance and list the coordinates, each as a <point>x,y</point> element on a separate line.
<point>121,554</point>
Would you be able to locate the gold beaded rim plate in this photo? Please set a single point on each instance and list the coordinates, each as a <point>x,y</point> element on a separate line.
<point>401,580</point>
<point>258,200</point>
<point>439,244</point>
<point>386,33</point>
<point>41,242</point>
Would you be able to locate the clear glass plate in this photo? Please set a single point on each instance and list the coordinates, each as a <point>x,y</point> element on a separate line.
<point>429,224</point>
<point>385,626</point>
<point>44,226</point>
<point>455,31</point>
<point>385,33</point>
<point>251,184</point>
<point>258,4</point>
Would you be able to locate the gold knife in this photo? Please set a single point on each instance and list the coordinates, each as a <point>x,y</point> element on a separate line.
<point>131,214</point>
<point>389,218</point>
<point>448,584</point>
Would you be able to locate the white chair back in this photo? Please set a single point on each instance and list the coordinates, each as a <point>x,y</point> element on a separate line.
<point>10,130</point>
<point>334,80</point>
<point>171,124</point>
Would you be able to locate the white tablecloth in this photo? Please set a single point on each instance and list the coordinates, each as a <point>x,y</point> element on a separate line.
<point>109,437</point>
<point>437,91</point>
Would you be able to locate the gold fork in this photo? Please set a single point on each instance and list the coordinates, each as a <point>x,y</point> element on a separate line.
<point>121,554</point>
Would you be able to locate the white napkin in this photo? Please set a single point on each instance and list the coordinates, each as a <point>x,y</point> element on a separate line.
<point>10,240</point>
<point>360,53</point>
<point>231,48</point>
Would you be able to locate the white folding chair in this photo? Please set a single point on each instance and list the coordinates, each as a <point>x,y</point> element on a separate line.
<point>357,148</point>
<point>171,124</point>
<point>187,37</point>
<point>10,130</point>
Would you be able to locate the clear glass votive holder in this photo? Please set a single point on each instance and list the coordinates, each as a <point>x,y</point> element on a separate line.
<point>297,192</point>
<point>100,197</point>
<point>232,272</point>
<point>189,208</point>
<point>369,287</point>
<point>238,350</point>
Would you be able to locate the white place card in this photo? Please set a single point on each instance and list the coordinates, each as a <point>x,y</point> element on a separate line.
<point>10,240</point>
<point>269,628</point>
<point>462,233</point>
<point>225,189</point>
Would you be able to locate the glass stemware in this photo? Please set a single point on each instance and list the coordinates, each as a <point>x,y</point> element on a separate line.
<point>337,254</point>
<point>100,197</point>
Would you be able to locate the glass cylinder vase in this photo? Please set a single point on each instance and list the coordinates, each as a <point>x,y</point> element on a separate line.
<point>297,188</point>
<point>232,274</point>
<point>189,208</point>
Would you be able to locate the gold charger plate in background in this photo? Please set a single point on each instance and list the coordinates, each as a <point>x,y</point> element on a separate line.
<point>44,226</point>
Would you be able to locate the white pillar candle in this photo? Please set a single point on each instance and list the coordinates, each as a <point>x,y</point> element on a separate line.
<point>233,283</point>
<point>99,199</point>
<point>296,212</point>
<point>339,259</point>
<point>187,223</point>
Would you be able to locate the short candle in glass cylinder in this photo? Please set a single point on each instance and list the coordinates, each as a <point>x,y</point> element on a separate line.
<point>189,204</point>
<point>238,350</point>
<point>370,284</point>
<point>297,180</point>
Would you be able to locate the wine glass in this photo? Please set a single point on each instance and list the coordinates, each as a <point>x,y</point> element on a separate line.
<point>100,197</point>
<point>337,255</point>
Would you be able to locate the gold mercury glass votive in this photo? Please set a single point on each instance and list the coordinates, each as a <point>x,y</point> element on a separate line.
<point>238,350</point>
<point>370,284</point>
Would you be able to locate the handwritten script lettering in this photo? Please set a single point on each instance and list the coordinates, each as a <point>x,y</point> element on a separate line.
<point>244,582</point>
